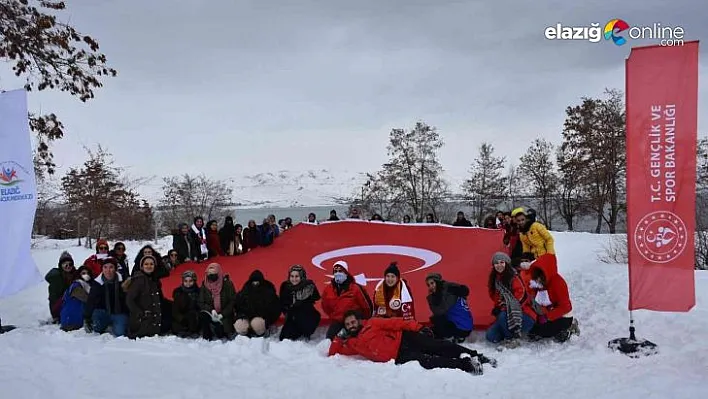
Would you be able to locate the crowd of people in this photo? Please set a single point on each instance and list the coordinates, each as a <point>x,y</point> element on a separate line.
<point>106,295</point>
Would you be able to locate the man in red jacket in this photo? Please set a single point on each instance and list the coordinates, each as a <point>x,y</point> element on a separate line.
<point>385,339</point>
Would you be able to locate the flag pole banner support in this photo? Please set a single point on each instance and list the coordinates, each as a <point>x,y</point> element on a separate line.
<point>631,346</point>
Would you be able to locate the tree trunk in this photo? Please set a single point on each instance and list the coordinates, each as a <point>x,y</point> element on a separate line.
<point>598,228</point>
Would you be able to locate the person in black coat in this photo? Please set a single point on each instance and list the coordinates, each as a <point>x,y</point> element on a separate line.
<point>123,266</point>
<point>257,306</point>
<point>197,237</point>
<point>182,244</point>
<point>160,270</point>
<point>297,300</point>
<point>185,307</point>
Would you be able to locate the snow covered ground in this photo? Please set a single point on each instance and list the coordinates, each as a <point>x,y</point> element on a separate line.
<point>43,362</point>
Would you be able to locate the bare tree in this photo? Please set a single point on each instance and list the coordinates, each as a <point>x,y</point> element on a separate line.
<point>52,55</point>
<point>411,181</point>
<point>514,186</point>
<point>537,166</point>
<point>486,181</point>
<point>569,196</point>
<point>595,132</point>
<point>186,197</point>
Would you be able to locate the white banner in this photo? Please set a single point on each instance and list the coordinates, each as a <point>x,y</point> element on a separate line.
<point>18,196</point>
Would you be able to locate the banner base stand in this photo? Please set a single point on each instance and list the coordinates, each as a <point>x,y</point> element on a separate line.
<point>632,346</point>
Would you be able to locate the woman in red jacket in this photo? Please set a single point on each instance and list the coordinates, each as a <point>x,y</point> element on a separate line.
<point>512,310</point>
<point>213,240</point>
<point>552,301</point>
<point>383,340</point>
<point>341,295</point>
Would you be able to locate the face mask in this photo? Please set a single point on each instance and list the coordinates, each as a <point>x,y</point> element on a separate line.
<point>86,277</point>
<point>212,277</point>
<point>525,265</point>
<point>535,285</point>
<point>340,277</point>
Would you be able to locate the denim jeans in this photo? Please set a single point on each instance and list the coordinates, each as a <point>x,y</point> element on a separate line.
<point>101,320</point>
<point>500,329</point>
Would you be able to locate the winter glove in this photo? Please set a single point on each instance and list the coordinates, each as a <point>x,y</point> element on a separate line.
<point>426,331</point>
<point>343,333</point>
<point>496,311</point>
<point>88,327</point>
<point>216,317</point>
<point>542,319</point>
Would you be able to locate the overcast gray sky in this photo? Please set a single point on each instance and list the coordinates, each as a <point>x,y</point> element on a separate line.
<point>231,87</point>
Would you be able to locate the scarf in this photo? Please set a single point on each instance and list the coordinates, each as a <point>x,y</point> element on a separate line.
<point>215,289</point>
<point>202,235</point>
<point>513,308</point>
<point>86,286</point>
<point>116,287</point>
<point>302,291</point>
<point>393,306</point>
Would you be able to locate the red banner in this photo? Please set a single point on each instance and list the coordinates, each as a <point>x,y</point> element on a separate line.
<point>662,127</point>
<point>461,254</point>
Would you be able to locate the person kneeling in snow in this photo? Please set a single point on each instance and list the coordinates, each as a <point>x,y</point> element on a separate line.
<point>392,297</point>
<point>551,301</point>
<point>257,306</point>
<point>106,306</point>
<point>297,299</point>
<point>451,317</point>
<point>217,301</point>
<point>59,279</point>
<point>382,340</point>
<point>343,294</point>
<point>512,308</point>
<point>72,312</point>
<point>144,298</point>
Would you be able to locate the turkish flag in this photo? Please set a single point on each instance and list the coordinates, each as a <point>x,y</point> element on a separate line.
<point>662,126</point>
<point>460,254</point>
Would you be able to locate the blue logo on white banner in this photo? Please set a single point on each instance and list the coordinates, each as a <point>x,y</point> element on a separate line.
<point>12,183</point>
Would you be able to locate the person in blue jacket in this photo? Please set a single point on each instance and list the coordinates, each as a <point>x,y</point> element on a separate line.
<point>72,313</point>
<point>452,318</point>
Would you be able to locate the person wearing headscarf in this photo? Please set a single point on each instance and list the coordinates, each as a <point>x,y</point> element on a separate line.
<point>257,306</point>
<point>185,307</point>
<point>217,304</point>
<point>298,296</point>
<point>227,237</point>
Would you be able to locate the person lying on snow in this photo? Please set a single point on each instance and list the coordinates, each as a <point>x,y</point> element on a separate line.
<point>383,340</point>
<point>59,279</point>
<point>75,297</point>
<point>217,303</point>
<point>257,306</point>
<point>451,317</point>
<point>106,306</point>
<point>512,308</point>
<point>341,295</point>
<point>298,296</point>
<point>94,262</point>
<point>551,300</point>
<point>144,297</point>
<point>185,307</point>
<point>392,297</point>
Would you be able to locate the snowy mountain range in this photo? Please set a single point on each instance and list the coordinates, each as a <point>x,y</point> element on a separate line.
<point>285,188</point>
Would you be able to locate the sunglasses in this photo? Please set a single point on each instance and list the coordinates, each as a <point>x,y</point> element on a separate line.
<point>103,248</point>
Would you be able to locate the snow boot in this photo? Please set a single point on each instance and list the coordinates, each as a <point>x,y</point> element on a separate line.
<point>575,327</point>
<point>472,365</point>
<point>487,360</point>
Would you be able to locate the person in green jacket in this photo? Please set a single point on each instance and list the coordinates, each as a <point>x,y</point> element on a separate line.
<point>59,279</point>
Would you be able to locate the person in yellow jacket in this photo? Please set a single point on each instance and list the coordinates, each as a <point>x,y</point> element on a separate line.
<point>534,236</point>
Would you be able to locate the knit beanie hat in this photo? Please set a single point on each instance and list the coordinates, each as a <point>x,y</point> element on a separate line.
<point>393,268</point>
<point>65,257</point>
<point>434,276</point>
<point>501,256</point>
<point>144,258</point>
